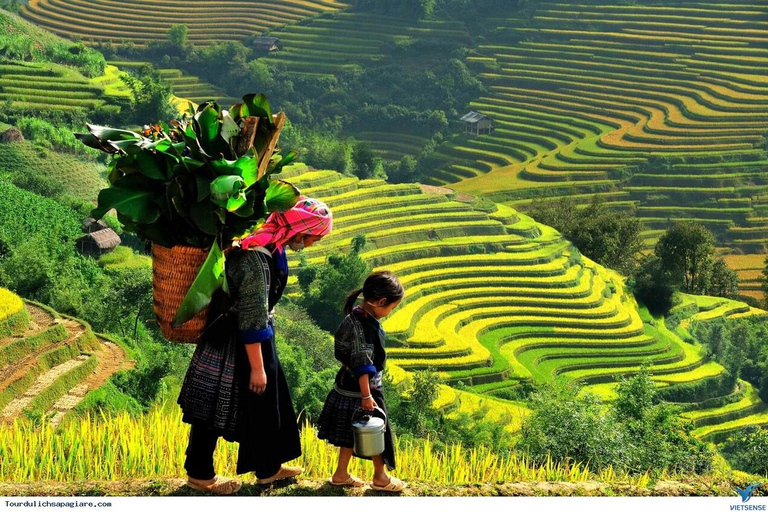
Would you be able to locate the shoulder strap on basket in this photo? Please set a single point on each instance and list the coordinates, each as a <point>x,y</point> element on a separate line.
<point>262,249</point>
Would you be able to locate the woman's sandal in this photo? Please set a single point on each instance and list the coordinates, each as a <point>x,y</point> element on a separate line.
<point>284,472</point>
<point>352,481</point>
<point>220,486</point>
<point>394,485</point>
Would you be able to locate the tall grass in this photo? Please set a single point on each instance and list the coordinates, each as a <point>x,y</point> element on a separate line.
<point>124,447</point>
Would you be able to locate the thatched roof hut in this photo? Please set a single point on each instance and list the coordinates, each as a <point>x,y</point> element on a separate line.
<point>266,43</point>
<point>12,135</point>
<point>90,225</point>
<point>98,242</point>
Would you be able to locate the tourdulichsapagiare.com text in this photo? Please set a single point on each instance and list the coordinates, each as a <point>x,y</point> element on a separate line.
<point>56,504</point>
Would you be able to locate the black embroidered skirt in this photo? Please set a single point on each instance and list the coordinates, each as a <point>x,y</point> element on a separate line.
<point>335,423</point>
<point>215,394</point>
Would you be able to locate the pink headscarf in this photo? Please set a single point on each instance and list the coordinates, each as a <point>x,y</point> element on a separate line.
<point>309,216</point>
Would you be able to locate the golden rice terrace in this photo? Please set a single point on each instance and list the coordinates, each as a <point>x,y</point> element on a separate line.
<point>660,108</point>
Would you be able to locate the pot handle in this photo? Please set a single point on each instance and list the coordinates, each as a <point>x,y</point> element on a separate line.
<point>382,414</point>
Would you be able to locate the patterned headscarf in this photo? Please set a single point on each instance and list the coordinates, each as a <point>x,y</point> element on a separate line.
<point>309,216</point>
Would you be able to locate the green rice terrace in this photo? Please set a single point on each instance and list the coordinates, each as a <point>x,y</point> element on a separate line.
<point>75,176</point>
<point>208,22</point>
<point>496,299</point>
<point>42,87</point>
<point>48,361</point>
<point>661,108</point>
<point>324,46</point>
<point>184,86</point>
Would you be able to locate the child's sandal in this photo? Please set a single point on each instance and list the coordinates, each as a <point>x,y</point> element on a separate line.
<point>352,481</point>
<point>394,485</point>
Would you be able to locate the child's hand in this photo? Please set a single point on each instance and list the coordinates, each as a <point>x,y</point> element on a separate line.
<point>368,404</point>
<point>258,382</point>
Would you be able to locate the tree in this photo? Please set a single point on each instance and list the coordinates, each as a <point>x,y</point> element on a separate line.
<point>564,426</point>
<point>608,237</point>
<point>151,97</point>
<point>723,281</point>
<point>324,296</point>
<point>367,163</point>
<point>747,449</point>
<point>178,37</point>
<point>686,250</point>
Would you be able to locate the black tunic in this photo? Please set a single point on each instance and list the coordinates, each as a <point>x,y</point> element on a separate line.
<point>215,392</point>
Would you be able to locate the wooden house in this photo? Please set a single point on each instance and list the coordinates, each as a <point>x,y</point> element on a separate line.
<point>476,123</point>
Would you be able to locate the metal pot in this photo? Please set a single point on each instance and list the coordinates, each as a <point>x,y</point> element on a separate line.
<point>369,432</point>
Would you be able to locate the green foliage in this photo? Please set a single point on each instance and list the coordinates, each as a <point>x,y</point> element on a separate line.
<point>324,296</point>
<point>747,450</point>
<point>151,96</point>
<point>20,40</point>
<point>764,284</point>
<point>652,284</point>
<point>49,173</point>
<point>188,183</point>
<point>608,237</point>
<point>306,354</point>
<point>740,345</point>
<point>567,427</point>
<point>633,434</point>
<point>723,281</point>
<point>27,216</point>
<point>51,136</point>
<point>686,250</point>
<point>413,416</point>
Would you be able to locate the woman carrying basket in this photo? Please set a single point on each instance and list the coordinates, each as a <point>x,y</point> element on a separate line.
<point>235,387</point>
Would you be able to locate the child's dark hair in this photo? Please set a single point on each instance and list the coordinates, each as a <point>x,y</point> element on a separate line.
<point>381,284</point>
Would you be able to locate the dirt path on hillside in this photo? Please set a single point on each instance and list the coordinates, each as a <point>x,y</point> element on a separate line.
<point>18,369</point>
<point>43,381</point>
<point>39,320</point>
<point>112,358</point>
<point>696,486</point>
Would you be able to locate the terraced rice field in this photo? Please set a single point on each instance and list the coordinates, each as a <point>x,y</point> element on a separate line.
<point>40,88</point>
<point>49,364</point>
<point>496,299</point>
<point>330,45</point>
<point>188,87</point>
<point>583,95</point>
<point>75,176</point>
<point>143,21</point>
<point>749,268</point>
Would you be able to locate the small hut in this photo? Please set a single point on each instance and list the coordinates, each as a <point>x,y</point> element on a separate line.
<point>98,242</point>
<point>90,225</point>
<point>266,44</point>
<point>11,135</point>
<point>476,123</point>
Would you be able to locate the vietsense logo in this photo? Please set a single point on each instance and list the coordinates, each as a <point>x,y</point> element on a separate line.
<point>746,494</point>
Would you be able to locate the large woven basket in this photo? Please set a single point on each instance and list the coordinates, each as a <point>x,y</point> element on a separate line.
<point>173,271</point>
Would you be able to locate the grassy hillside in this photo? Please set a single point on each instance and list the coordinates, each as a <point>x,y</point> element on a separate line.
<point>149,21</point>
<point>662,108</point>
<point>495,299</point>
<point>20,162</point>
<point>50,363</point>
<point>44,75</point>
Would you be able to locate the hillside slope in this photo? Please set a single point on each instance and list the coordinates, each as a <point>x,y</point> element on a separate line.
<point>496,299</point>
<point>51,362</point>
<point>660,108</point>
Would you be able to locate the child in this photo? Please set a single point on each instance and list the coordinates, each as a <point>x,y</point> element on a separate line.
<point>359,345</point>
